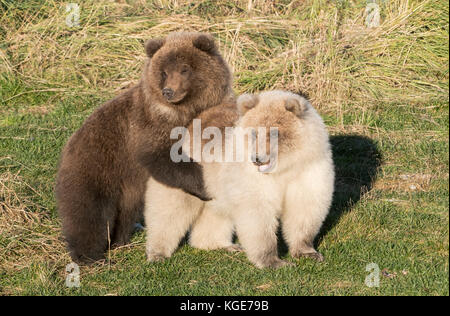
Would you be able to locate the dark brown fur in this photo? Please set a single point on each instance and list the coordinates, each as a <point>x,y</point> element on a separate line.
<point>106,163</point>
<point>221,116</point>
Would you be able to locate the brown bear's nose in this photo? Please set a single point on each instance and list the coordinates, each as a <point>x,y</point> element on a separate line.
<point>167,93</point>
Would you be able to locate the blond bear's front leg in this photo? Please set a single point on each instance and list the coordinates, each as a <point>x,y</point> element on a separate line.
<point>256,229</point>
<point>169,213</point>
<point>213,230</point>
<point>307,204</point>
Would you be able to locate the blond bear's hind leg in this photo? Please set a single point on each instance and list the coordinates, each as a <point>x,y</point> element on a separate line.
<point>168,214</point>
<point>213,230</point>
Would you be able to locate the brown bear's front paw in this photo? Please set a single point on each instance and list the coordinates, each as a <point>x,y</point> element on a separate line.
<point>205,197</point>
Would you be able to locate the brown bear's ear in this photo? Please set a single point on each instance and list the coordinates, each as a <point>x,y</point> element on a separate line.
<point>246,102</point>
<point>295,106</point>
<point>152,46</point>
<point>205,42</point>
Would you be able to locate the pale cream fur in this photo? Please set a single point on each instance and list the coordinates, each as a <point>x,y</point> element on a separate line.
<point>298,192</point>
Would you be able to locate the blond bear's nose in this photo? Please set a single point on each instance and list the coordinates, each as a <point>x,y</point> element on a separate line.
<point>259,160</point>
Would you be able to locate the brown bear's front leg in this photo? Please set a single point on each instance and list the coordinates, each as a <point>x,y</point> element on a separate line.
<point>187,176</point>
<point>86,222</point>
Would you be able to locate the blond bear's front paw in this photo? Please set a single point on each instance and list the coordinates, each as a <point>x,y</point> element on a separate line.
<point>234,248</point>
<point>313,255</point>
<point>274,263</point>
<point>155,256</point>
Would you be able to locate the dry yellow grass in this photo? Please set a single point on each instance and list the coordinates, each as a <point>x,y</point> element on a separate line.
<point>32,235</point>
<point>318,48</point>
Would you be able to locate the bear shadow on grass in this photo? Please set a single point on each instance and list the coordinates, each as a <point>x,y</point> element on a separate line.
<point>357,161</point>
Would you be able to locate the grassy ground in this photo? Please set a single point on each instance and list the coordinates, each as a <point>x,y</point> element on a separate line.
<point>382,91</point>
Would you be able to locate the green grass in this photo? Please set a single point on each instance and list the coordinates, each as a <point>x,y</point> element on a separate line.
<point>383,93</point>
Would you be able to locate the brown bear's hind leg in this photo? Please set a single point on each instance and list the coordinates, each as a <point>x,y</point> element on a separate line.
<point>86,225</point>
<point>125,225</point>
<point>130,212</point>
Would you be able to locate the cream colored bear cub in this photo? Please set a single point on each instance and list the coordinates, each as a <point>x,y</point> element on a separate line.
<point>292,183</point>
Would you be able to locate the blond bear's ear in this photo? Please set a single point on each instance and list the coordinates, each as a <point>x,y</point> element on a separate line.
<point>246,102</point>
<point>206,43</point>
<point>295,106</point>
<point>152,46</point>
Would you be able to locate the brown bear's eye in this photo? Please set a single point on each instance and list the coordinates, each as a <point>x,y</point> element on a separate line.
<point>164,75</point>
<point>184,71</point>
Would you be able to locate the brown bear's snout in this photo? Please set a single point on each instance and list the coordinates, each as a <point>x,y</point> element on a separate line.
<point>167,93</point>
<point>175,85</point>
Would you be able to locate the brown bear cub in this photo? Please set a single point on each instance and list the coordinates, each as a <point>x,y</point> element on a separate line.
<point>105,165</point>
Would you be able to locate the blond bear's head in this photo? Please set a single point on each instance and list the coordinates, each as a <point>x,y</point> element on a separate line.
<point>272,121</point>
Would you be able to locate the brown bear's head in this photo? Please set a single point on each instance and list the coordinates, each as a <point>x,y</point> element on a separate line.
<point>186,70</point>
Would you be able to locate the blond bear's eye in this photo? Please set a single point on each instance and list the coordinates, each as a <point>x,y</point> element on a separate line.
<point>164,75</point>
